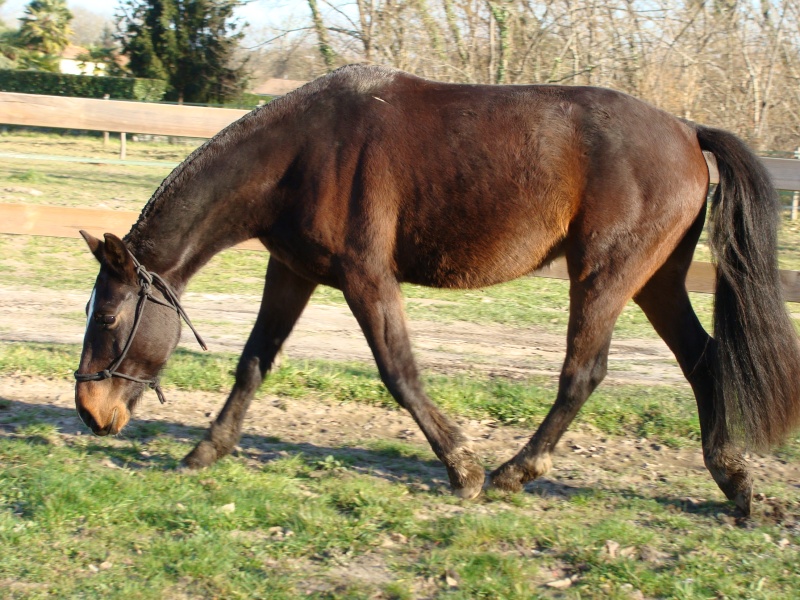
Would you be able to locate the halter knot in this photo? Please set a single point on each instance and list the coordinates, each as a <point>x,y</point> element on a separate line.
<point>143,273</point>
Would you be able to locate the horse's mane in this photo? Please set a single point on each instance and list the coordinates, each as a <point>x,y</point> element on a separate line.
<point>359,78</point>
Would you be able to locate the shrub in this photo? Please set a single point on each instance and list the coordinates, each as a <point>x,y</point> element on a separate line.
<point>81,86</point>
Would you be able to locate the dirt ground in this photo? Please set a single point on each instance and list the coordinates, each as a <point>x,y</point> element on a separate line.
<point>330,332</point>
<point>584,458</point>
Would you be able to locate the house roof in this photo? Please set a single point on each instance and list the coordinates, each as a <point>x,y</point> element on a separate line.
<point>277,87</point>
<point>72,52</point>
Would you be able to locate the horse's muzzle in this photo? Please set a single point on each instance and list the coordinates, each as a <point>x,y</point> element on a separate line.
<point>103,416</point>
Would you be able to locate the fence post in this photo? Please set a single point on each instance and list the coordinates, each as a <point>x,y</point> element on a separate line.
<point>105,133</point>
<point>795,195</point>
<point>122,145</point>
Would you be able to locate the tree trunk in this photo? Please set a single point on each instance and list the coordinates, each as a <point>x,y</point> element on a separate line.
<point>502,16</point>
<point>325,49</point>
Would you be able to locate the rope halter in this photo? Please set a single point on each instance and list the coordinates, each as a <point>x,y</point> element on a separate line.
<point>147,280</point>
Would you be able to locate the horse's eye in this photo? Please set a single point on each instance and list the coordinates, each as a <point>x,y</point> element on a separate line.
<point>105,319</point>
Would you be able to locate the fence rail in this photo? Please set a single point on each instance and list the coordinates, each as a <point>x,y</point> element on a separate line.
<point>66,221</point>
<point>119,116</point>
<point>114,115</point>
<point>193,121</point>
<point>61,221</point>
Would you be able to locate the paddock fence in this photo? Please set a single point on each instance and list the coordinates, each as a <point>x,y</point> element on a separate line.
<point>203,122</point>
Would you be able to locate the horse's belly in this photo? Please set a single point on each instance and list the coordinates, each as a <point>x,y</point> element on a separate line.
<point>480,264</point>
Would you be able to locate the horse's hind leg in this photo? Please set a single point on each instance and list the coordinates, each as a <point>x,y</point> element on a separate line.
<point>377,305</point>
<point>285,296</point>
<point>593,312</point>
<point>666,303</point>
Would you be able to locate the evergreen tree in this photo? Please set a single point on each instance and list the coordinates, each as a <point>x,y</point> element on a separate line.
<point>44,26</point>
<point>189,43</point>
<point>43,33</point>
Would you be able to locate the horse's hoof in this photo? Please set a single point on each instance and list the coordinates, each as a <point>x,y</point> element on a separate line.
<point>744,500</point>
<point>472,488</point>
<point>733,479</point>
<point>203,455</point>
<point>511,476</point>
<point>506,479</point>
<point>739,490</point>
<point>466,473</point>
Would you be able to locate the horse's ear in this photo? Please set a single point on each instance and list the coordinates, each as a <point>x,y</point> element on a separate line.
<point>95,245</point>
<point>117,258</point>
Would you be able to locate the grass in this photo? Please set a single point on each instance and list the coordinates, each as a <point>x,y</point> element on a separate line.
<point>33,141</point>
<point>115,187</point>
<point>87,517</point>
<point>665,413</point>
<point>97,185</point>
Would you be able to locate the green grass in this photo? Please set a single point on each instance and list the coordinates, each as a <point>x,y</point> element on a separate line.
<point>29,176</point>
<point>83,184</point>
<point>658,412</point>
<point>86,146</point>
<point>69,184</point>
<point>291,527</point>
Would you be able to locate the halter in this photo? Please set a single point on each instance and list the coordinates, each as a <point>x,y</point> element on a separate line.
<point>146,282</point>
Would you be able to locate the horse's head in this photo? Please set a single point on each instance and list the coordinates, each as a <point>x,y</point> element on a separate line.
<point>132,327</point>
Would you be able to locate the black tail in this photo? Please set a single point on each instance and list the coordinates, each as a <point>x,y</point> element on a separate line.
<point>758,378</point>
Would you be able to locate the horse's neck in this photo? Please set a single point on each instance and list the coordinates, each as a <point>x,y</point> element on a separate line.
<point>176,252</point>
<point>198,216</point>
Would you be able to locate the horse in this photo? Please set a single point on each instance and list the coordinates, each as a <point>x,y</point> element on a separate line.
<point>369,177</point>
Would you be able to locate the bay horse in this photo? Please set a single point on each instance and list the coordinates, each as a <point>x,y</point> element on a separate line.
<point>369,177</point>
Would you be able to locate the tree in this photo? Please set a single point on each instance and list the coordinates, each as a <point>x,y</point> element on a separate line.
<point>191,44</point>
<point>328,55</point>
<point>44,32</point>
<point>45,26</point>
<point>106,53</point>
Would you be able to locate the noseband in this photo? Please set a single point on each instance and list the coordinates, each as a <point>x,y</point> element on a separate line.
<point>147,281</point>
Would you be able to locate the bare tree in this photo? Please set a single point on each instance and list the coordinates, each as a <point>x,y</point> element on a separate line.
<point>325,50</point>
<point>725,62</point>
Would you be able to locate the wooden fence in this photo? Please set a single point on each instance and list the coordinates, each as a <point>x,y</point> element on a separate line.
<point>192,121</point>
<point>114,115</point>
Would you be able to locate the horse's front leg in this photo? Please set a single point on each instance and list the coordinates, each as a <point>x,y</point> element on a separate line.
<point>377,305</point>
<point>285,296</point>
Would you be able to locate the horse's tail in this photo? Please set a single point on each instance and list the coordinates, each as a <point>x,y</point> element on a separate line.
<point>757,393</point>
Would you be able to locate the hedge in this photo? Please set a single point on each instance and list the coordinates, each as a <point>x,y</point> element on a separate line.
<point>81,86</point>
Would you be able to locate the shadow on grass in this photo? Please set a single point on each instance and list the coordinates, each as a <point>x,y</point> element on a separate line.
<point>549,488</point>
<point>41,424</point>
<point>708,508</point>
<point>765,512</point>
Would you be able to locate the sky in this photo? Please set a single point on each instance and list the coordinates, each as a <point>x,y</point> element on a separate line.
<point>13,8</point>
<point>259,13</point>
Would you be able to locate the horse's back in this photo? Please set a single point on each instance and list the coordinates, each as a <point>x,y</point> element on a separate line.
<point>468,185</point>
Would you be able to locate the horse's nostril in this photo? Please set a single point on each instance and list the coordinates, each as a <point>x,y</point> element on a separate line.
<point>87,418</point>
